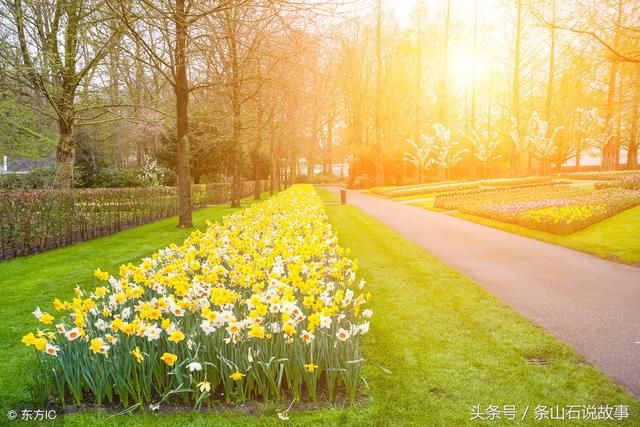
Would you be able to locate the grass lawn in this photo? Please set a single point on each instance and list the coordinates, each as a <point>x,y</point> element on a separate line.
<point>438,344</point>
<point>616,238</point>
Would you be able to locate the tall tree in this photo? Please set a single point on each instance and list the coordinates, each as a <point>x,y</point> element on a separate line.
<point>61,42</point>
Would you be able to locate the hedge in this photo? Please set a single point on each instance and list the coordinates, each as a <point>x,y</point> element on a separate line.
<point>34,221</point>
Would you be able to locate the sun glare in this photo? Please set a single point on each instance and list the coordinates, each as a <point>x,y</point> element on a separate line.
<point>464,64</point>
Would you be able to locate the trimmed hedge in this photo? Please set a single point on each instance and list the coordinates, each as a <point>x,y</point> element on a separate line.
<point>630,182</point>
<point>454,186</point>
<point>33,221</point>
<point>599,176</point>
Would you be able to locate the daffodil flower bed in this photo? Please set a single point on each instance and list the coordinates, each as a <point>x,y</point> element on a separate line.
<point>558,209</point>
<point>265,305</point>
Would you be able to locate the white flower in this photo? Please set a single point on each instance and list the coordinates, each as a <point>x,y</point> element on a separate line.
<point>177,311</point>
<point>152,333</point>
<point>363,328</point>
<point>37,313</point>
<point>51,350</point>
<point>154,406</point>
<point>194,366</point>
<point>367,313</point>
<point>343,334</point>
<point>325,322</point>
<point>101,324</point>
<point>60,328</point>
<point>307,336</point>
<point>72,334</point>
<point>204,386</point>
<point>126,312</point>
<point>206,327</point>
<point>283,416</point>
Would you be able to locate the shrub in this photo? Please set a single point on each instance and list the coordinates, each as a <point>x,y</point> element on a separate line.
<point>631,182</point>
<point>361,182</point>
<point>38,178</point>
<point>265,305</point>
<point>38,220</point>
<point>599,176</point>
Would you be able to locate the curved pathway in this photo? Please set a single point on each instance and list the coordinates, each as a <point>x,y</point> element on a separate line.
<point>591,303</point>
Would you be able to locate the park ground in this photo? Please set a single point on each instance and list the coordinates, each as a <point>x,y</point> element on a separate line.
<point>439,344</point>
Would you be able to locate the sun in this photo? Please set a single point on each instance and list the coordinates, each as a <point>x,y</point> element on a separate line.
<point>464,65</point>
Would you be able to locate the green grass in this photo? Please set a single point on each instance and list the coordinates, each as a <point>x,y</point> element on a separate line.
<point>616,238</point>
<point>438,344</point>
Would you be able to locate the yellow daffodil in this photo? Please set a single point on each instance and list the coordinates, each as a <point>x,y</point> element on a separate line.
<point>237,376</point>
<point>311,368</point>
<point>176,336</point>
<point>169,358</point>
<point>137,354</point>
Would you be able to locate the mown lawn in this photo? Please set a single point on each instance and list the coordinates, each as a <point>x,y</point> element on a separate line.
<point>616,238</point>
<point>438,344</point>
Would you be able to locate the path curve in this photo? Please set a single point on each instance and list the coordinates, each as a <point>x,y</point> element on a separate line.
<point>591,303</point>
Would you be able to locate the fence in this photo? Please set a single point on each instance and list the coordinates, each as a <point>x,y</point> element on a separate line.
<point>35,221</point>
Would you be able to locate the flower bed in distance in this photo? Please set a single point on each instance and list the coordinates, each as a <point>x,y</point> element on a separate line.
<point>265,306</point>
<point>555,209</point>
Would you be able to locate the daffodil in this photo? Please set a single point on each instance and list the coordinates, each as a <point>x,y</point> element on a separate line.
<point>311,368</point>
<point>237,376</point>
<point>29,339</point>
<point>169,358</point>
<point>101,275</point>
<point>137,354</point>
<point>176,337</point>
<point>204,386</point>
<point>98,346</point>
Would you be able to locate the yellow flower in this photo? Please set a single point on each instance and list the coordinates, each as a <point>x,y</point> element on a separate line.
<point>176,336</point>
<point>311,367</point>
<point>256,331</point>
<point>237,376</point>
<point>100,291</point>
<point>101,275</point>
<point>29,339</point>
<point>40,343</point>
<point>46,318</point>
<point>57,304</point>
<point>98,346</point>
<point>165,323</point>
<point>137,354</point>
<point>169,358</point>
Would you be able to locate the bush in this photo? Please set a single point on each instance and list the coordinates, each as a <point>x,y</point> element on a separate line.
<point>38,178</point>
<point>631,182</point>
<point>38,220</point>
<point>361,182</point>
<point>265,305</point>
<point>599,176</point>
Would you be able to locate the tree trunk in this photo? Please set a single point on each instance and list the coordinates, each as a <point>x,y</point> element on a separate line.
<point>609,150</point>
<point>552,57</point>
<point>379,178</point>
<point>182,114</point>
<point>329,148</point>
<point>632,151</point>
<point>515,96</point>
<point>65,154</point>
<point>444,104</point>
<point>257,189</point>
